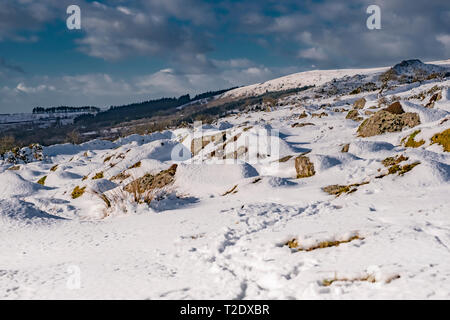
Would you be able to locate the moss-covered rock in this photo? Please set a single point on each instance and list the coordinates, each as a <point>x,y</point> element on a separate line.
<point>384,121</point>
<point>353,115</point>
<point>443,139</point>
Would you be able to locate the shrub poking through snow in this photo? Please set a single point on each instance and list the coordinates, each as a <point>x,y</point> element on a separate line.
<point>390,161</point>
<point>337,189</point>
<point>14,168</point>
<point>41,181</point>
<point>398,169</point>
<point>304,167</point>
<point>302,115</point>
<point>401,170</point>
<point>54,168</point>
<point>411,143</point>
<point>98,175</point>
<point>78,192</point>
<point>108,158</point>
<point>121,176</point>
<point>294,243</point>
<point>443,139</point>
<point>345,147</point>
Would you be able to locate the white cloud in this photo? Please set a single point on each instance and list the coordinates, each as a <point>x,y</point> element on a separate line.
<point>444,39</point>
<point>312,53</point>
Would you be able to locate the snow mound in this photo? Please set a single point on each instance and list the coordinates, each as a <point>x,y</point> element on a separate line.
<point>198,179</point>
<point>22,211</point>
<point>13,185</point>
<point>60,178</point>
<point>101,185</point>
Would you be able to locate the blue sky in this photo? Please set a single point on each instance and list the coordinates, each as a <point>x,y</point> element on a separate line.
<point>128,51</point>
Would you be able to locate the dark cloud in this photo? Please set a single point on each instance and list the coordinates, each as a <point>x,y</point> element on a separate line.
<point>334,33</point>
<point>11,67</point>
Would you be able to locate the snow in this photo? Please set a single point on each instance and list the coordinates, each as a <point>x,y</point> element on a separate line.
<point>219,231</point>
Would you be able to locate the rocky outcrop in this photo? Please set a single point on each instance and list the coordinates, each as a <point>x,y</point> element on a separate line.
<point>395,108</point>
<point>304,167</point>
<point>435,97</point>
<point>149,182</point>
<point>384,121</point>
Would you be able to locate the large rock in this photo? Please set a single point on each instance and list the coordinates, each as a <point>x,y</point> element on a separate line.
<point>359,104</point>
<point>384,121</point>
<point>304,167</point>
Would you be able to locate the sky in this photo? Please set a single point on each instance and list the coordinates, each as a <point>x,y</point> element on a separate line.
<point>130,51</point>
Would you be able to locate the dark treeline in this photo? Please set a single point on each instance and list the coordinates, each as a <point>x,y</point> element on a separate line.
<point>65,109</point>
<point>210,94</point>
<point>145,109</point>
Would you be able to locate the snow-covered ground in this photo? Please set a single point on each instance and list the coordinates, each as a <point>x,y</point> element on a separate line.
<point>220,230</point>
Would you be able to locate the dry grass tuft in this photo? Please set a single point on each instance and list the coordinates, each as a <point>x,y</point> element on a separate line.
<point>136,165</point>
<point>54,168</point>
<point>411,143</point>
<point>294,244</point>
<point>232,190</point>
<point>337,189</point>
<point>401,170</point>
<point>41,181</point>
<point>78,192</point>
<point>98,175</point>
<point>367,278</point>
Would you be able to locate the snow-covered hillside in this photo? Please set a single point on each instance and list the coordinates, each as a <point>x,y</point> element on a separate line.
<point>303,200</point>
